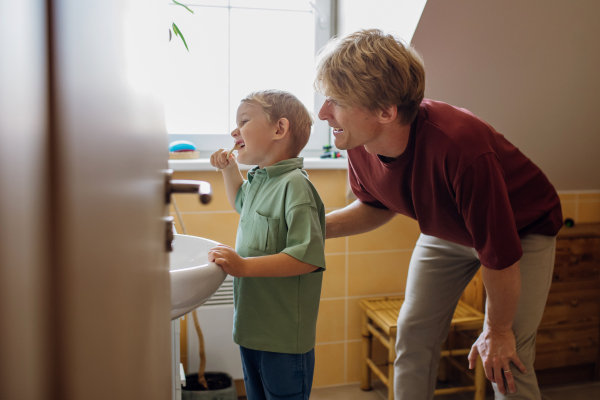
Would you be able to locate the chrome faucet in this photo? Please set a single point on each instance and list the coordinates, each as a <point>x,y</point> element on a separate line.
<point>201,188</point>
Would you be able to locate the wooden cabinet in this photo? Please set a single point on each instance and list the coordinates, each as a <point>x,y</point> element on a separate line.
<point>569,333</point>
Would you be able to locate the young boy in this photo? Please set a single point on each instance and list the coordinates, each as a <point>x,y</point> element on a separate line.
<point>279,258</point>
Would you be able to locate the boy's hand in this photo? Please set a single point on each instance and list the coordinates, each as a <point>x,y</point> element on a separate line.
<point>228,259</point>
<point>219,159</point>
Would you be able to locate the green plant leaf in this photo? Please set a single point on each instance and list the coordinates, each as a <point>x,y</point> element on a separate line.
<point>182,5</point>
<point>178,33</point>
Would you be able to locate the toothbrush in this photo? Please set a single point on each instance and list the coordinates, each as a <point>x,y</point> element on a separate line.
<point>235,147</point>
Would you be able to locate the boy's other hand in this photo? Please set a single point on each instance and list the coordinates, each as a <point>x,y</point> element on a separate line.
<point>228,259</point>
<point>219,159</point>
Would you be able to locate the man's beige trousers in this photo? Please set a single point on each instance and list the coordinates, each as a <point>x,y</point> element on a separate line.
<point>438,274</point>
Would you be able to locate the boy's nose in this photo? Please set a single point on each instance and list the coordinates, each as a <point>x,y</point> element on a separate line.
<point>324,112</point>
<point>235,132</point>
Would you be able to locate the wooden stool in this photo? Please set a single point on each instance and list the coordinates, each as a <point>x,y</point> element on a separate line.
<point>379,320</point>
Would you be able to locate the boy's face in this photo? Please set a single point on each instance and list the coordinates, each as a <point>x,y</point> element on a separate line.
<point>255,134</point>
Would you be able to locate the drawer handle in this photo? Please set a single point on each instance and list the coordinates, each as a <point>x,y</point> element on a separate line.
<point>574,260</point>
<point>574,347</point>
<point>574,303</point>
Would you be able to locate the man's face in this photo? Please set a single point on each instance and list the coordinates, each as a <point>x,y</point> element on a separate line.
<point>352,126</point>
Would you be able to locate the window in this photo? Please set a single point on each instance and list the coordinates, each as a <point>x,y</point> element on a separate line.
<point>236,47</point>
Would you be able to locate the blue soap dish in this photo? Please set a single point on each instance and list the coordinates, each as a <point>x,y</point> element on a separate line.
<point>183,149</point>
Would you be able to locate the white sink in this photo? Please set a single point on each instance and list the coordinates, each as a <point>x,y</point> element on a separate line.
<point>193,279</point>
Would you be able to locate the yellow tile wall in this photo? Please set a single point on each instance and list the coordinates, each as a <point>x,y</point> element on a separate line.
<point>582,207</point>
<point>371,264</point>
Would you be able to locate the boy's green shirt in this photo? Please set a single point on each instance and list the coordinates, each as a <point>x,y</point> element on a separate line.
<point>280,212</point>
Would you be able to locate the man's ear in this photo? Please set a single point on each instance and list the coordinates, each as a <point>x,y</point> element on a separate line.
<point>388,114</point>
<point>283,128</point>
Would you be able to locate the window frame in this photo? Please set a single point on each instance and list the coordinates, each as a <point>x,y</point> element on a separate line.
<point>325,14</point>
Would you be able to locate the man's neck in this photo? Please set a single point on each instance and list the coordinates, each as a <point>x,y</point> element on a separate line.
<point>391,142</point>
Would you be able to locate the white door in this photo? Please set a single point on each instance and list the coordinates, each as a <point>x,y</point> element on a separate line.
<point>83,252</point>
<point>24,209</point>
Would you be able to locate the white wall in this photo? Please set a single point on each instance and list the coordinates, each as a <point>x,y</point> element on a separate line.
<point>398,17</point>
<point>530,69</point>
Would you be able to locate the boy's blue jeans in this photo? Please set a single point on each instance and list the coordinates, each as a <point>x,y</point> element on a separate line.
<point>270,376</point>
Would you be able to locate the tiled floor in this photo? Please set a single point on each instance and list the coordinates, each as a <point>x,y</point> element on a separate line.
<point>586,391</point>
<point>583,391</point>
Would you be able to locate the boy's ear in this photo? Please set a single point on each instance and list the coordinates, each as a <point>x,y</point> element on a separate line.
<point>283,128</point>
<point>388,114</point>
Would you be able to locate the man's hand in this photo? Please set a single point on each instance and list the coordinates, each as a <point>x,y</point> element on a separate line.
<point>497,350</point>
<point>219,159</point>
<point>228,259</point>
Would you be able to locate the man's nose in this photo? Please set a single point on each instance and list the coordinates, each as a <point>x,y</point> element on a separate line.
<point>324,112</point>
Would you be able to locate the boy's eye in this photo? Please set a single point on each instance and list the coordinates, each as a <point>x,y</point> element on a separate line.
<point>244,121</point>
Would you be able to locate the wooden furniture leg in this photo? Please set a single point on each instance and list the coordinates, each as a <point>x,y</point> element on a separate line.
<point>365,376</point>
<point>480,380</point>
<point>391,359</point>
<point>443,368</point>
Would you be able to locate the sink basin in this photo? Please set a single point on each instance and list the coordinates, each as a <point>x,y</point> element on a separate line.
<point>193,279</point>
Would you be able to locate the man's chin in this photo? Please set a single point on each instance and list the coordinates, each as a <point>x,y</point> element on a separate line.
<point>341,145</point>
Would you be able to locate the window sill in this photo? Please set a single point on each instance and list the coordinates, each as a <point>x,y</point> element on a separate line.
<point>203,164</point>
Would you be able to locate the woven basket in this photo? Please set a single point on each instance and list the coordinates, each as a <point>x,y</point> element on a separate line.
<point>183,155</point>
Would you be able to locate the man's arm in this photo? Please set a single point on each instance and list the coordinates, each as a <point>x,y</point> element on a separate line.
<point>503,289</point>
<point>497,344</point>
<point>355,218</point>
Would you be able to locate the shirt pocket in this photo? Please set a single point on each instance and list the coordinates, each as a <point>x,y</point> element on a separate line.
<point>264,234</point>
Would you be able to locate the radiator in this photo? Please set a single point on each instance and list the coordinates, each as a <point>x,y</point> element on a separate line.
<point>216,320</point>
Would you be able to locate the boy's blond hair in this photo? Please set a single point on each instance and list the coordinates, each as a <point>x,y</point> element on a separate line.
<point>277,104</point>
<point>372,70</point>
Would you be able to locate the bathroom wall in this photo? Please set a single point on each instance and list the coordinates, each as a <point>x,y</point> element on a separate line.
<point>398,17</point>
<point>367,265</point>
<point>528,68</point>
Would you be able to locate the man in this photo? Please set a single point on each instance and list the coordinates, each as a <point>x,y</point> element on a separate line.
<point>478,201</point>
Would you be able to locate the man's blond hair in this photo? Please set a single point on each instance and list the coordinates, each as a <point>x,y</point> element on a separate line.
<point>372,70</point>
<point>277,104</point>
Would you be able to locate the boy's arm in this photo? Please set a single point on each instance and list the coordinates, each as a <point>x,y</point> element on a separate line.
<point>233,181</point>
<point>231,173</point>
<point>304,241</point>
<point>276,265</point>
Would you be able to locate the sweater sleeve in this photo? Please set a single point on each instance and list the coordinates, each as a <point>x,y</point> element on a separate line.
<point>482,200</point>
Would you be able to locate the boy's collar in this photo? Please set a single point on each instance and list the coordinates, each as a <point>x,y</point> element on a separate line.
<point>280,168</point>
